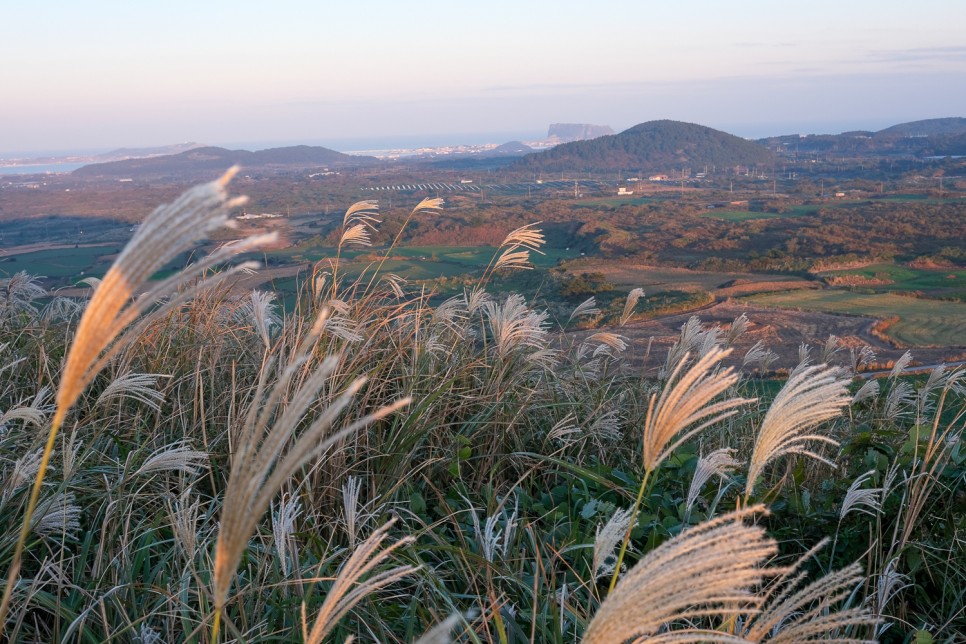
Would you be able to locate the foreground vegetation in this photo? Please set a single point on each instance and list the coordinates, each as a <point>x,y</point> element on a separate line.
<point>374,465</point>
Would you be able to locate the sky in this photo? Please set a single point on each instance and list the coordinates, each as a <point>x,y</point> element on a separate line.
<point>100,75</point>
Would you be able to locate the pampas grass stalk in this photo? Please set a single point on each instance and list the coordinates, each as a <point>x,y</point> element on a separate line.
<point>349,587</point>
<point>266,455</point>
<point>169,230</point>
<point>678,414</point>
<point>709,570</point>
<point>812,395</point>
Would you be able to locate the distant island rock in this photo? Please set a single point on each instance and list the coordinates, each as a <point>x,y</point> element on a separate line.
<point>567,132</point>
<point>654,145</point>
<point>204,161</point>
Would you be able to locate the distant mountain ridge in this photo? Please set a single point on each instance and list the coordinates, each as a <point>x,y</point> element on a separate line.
<point>204,159</point>
<point>121,154</point>
<point>951,126</point>
<point>929,137</point>
<point>654,145</point>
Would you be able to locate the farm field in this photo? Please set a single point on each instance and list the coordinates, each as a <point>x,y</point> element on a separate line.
<point>657,278</point>
<point>64,265</point>
<point>921,322</point>
<point>945,282</point>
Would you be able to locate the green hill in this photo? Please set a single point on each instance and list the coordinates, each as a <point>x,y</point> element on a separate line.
<point>201,162</point>
<point>929,127</point>
<point>655,145</point>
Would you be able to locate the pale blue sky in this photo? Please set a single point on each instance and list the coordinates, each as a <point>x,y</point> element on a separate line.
<point>101,74</point>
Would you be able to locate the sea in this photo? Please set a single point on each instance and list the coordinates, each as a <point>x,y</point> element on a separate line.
<point>44,168</point>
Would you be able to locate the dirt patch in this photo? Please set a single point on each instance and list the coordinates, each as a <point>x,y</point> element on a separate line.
<point>781,331</point>
<point>750,288</point>
<point>857,280</point>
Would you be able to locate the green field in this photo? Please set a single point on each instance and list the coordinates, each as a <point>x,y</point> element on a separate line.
<point>420,262</point>
<point>948,282</point>
<point>922,322</point>
<point>70,264</point>
<point>613,202</point>
<point>792,211</point>
<point>740,215</point>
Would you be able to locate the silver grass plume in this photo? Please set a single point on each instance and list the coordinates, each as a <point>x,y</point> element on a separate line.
<point>720,462</point>
<point>177,457</point>
<point>796,613</point>
<point>475,299</point>
<point>147,635</point>
<point>395,284</point>
<point>864,500</point>
<point>632,298</point>
<point>607,344</point>
<point>441,633</point>
<point>761,355</point>
<point>166,233</point>
<point>184,514</point>
<point>804,354</point>
<point>24,470</point>
<point>900,365</point>
<point>605,427</point>
<point>135,386</point>
<point>358,224</point>
<point>514,325</point>
<point>352,584</point>
<point>606,541</point>
<point>586,308</point>
<point>57,515</point>
<point>265,316</point>
<point>689,338</point>
<point>867,391</point>
<point>283,526</point>
<point>811,396</point>
<point>888,584</point>
<point>685,403</point>
<point>516,248</point>
<point>707,571</point>
<point>61,309</point>
<point>493,542</point>
<point>564,430</point>
<point>861,358</point>
<point>18,295</point>
<point>33,414</point>
<point>738,328</point>
<point>832,346</point>
<point>899,401</point>
<point>356,514</point>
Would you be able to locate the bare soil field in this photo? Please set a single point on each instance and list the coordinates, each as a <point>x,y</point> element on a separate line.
<point>782,331</point>
<point>657,278</point>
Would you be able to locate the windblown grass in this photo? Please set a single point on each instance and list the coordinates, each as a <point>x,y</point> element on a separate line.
<point>220,461</point>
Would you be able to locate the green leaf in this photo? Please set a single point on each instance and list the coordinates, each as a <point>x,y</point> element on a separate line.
<point>922,637</point>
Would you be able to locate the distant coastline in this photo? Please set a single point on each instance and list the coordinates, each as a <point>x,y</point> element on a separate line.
<point>41,168</point>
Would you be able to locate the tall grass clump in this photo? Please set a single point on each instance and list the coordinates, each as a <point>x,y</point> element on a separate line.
<point>169,231</point>
<point>392,464</point>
